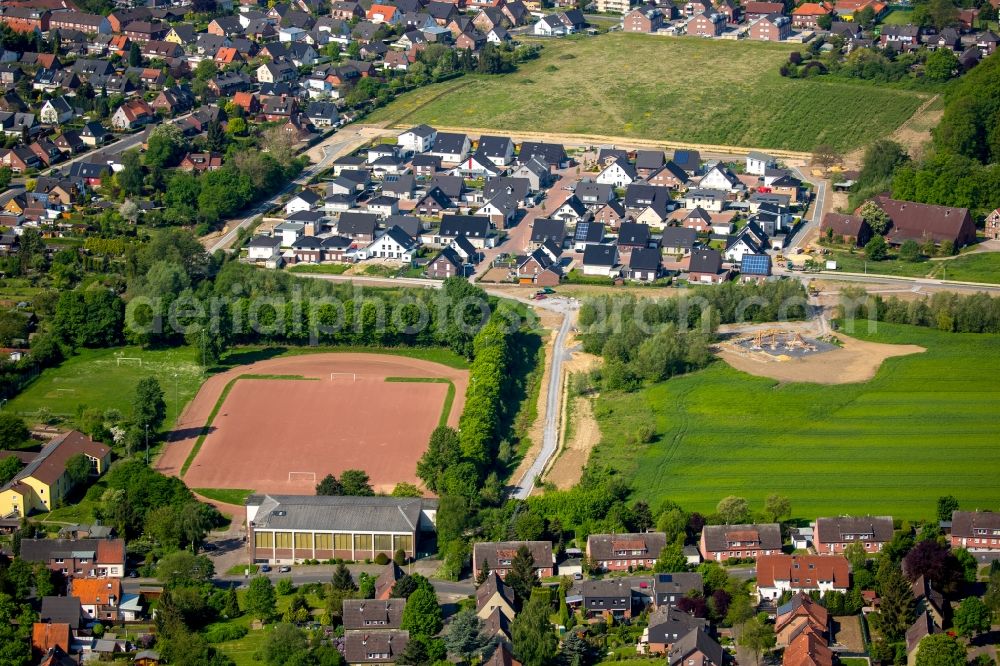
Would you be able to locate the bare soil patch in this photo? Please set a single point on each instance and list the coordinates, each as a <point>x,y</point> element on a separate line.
<point>569,464</point>
<point>855,361</point>
<point>847,633</point>
<point>267,428</point>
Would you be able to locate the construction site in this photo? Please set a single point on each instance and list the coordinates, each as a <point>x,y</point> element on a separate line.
<point>775,344</point>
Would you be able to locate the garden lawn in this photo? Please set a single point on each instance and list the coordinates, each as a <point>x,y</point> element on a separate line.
<point>857,263</point>
<point>93,378</point>
<point>898,17</point>
<point>925,426</point>
<point>667,88</point>
<point>236,496</point>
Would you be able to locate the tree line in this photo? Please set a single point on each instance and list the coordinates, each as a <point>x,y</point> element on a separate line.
<point>944,311</point>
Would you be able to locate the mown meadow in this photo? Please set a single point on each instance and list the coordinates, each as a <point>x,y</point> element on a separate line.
<point>925,426</point>
<point>668,88</point>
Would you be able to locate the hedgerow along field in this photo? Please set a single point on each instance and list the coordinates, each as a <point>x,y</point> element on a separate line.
<point>663,88</point>
<point>925,426</point>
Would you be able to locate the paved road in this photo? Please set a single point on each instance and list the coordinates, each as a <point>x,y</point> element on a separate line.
<point>804,232</point>
<point>344,141</point>
<point>553,404</point>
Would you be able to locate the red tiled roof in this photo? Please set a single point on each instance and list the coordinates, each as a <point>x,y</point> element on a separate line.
<point>803,571</point>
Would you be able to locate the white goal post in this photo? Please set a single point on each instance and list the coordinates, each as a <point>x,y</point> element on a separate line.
<point>344,375</point>
<point>302,476</point>
<point>119,360</point>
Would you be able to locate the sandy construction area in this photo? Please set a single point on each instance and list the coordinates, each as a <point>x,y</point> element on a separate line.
<point>855,361</point>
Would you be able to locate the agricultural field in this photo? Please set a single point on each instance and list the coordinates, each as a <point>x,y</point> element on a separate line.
<point>96,378</point>
<point>976,267</point>
<point>925,426</point>
<point>676,89</point>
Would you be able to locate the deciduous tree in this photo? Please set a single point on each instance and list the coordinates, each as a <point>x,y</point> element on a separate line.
<point>261,600</point>
<point>534,640</point>
<point>941,650</point>
<point>733,510</point>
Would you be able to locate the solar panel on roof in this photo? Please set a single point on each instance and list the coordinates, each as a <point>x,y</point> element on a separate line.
<point>756,264</point>
<point>582,228</point>
<point>390,178</point>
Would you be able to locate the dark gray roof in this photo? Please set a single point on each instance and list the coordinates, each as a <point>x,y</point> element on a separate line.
<point>452,186</point>
<point>493,585</point>
<point>669,625</point>
<point>450,143</point>
<point>359,644</point>
<point>472,226</point>
<point>601,595</point>
<point>677,583</point>
<point>339,513</point>
<point>492,551</point>
<point>600,255</point>
<point>421,130</point>
<point>696,641</point>
<point>408,223</point>
<point>633,234</point>
<point>590,192</point>
<point>834,530</point>
<point>357,223</point>
<point>263,241</point>
<point>546,229</point>
<point>640,195</point>
<point>518,187</point>
<point>399,184</point>
<point>689,160</point>
<point>769,534</point>
<point>645,259</point>
<point>369,614</point>
<point>678,237</point>
<point>65,610</point>
<point>649,159</point>
<point>496,146</point>
<point>549,153</point>
<point>708,261</point>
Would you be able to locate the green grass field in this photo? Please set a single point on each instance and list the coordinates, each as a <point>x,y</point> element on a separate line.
<point>925,426</point>
<point>678,89</point>
<point>978,267</point>
<point>94,378</point>
<point>898,17</point>
<point>235,496</point>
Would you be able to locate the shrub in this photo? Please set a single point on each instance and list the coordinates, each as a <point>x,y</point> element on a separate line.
<point>220,633</point>
<point>382,559</point>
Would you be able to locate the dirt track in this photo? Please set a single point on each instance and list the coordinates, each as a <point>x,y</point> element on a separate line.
<point>267,428</point>
<point>856,361</point>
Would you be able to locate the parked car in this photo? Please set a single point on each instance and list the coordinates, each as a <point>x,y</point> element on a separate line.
<point>265,568</point>
<point>284,569</point>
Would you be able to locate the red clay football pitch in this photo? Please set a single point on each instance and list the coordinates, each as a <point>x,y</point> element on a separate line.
<point>282,435</point>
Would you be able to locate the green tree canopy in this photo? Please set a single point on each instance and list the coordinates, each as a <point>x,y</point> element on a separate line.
<point>422,614</point>
<point>941,650</point>
<point>532,634</point>
<point>261,599</point>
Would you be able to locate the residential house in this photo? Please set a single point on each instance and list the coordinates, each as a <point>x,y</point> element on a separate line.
<point>667,626</point>
<point>547,230</point>
<point>451,147</point>
<point>976,531</point>
<point>669,588</point>
<point>43,483</point>
<point>132,114</point>
<point>709,200</point>
<point>393,244</point>
<point>807,14</point>
<point>56,111</point>
<point>771,28</point>
<point>643,19</point>
<point>446,264</point>
<point>62,610</point>
<point>600,260</point>
<point>498,556</point>
<point>387,580</point>
<point>201,162</point>
<point>922,628</point>
<point>419,139</point>
<point>536,171</point>
<point>834,535</point>
<point>800,614</point>
<point>633,235</point>
<point>755,267</point>
<point>808,649</point>
<point>304,200</point>
<point>697,648</point>
<point>374,647</point>
<point>291,528</point>
<point>99,598</point>
<point>719,177</point>
<point>746,242</point>
<point>689,160</point>
<point>721,542</point>
<point>670,176</point>
<point>610,599</point>
<point>920,222</point>
<point>497,149</point>
<point>434,202</point>
<point>587,233</point>
<point>758,163</point>
<point>625,552</point>
<point>757,10</point>
<point>708,23</point>
<point>551,154</point>
<point>928,600</point>
<point>678,240</point>
<point>619,174</point>
<point>373,614</point>
<point>900,37</point>
<point>494,595</point>
<point>987,42</point>
<point>48,635</point>
<point>359,227</point>
<point>78,558</point>
<point>648,162</point>
<point>644,265</point>
<point>475,228</point>
<point>781,573</point>
<point>541,267</point>
<point>19,159</point>
<point>992,225</point>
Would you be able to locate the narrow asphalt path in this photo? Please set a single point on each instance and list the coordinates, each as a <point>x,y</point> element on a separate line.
<point>553,401</point>
<point>801,236</point>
